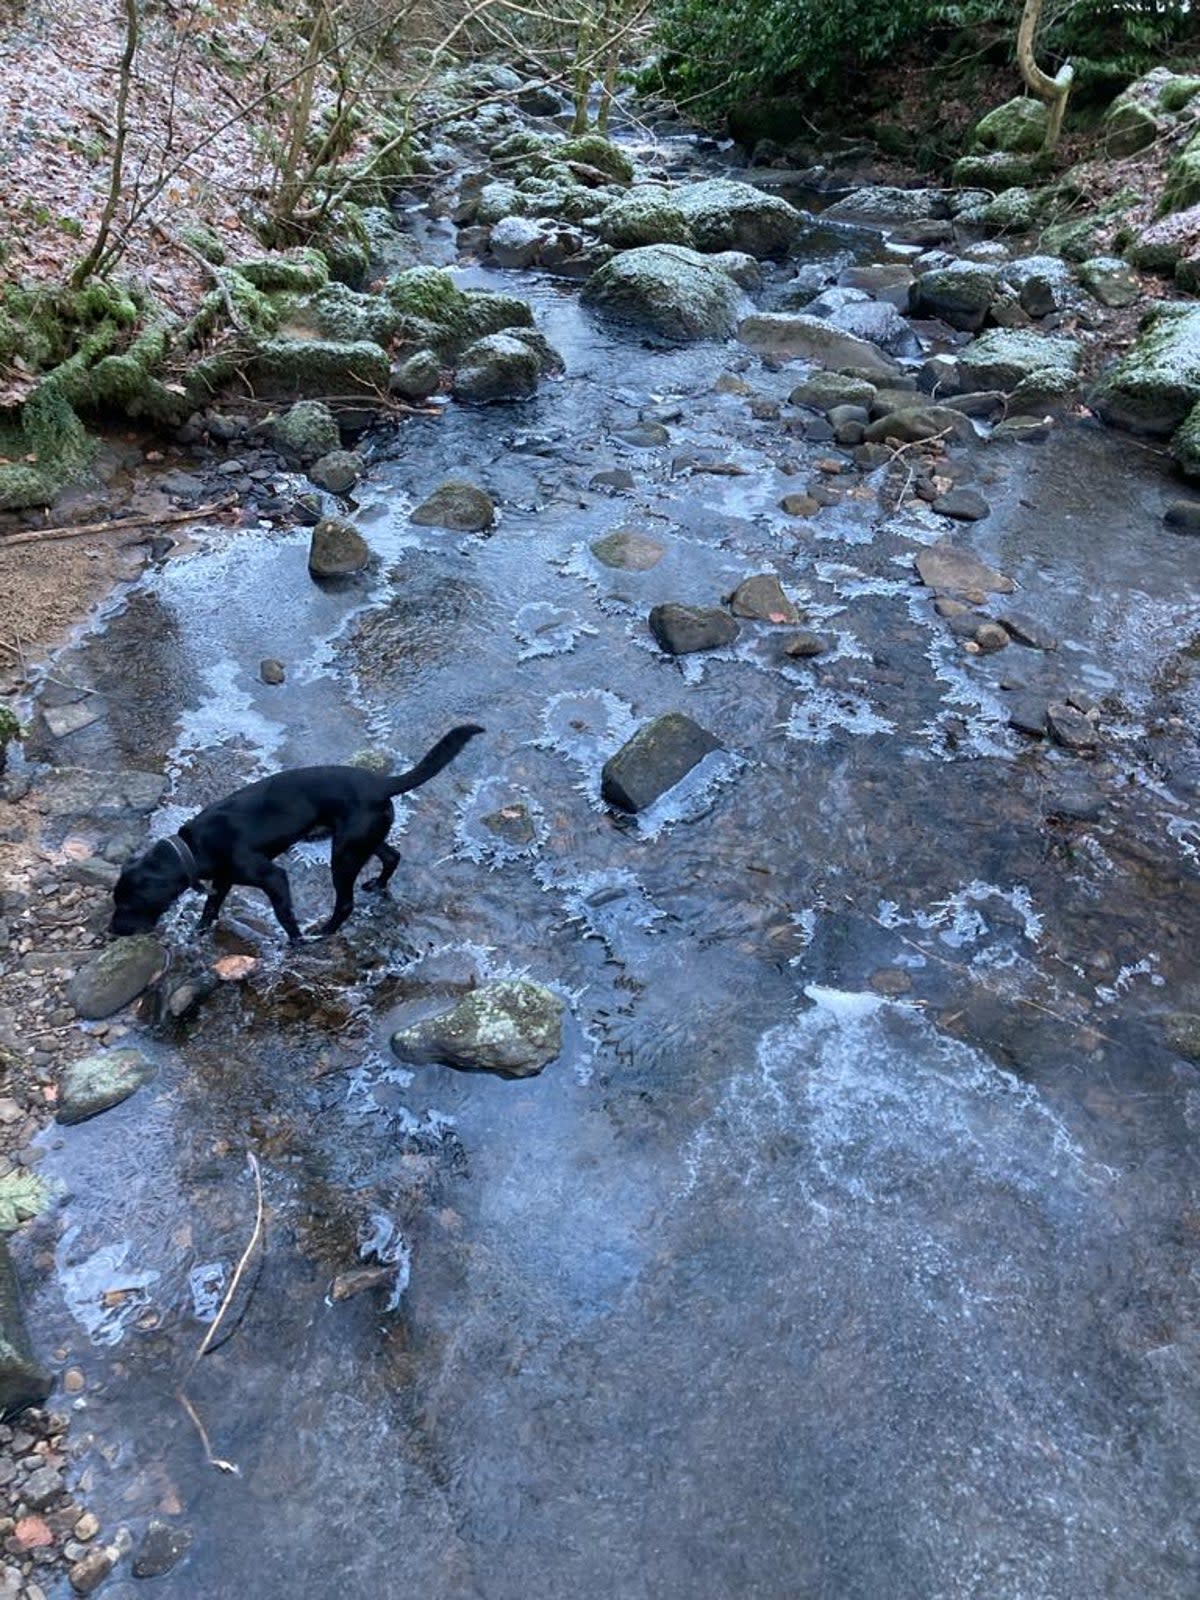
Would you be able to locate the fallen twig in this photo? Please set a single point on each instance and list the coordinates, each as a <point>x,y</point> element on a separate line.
<point>84,530</point>
<point>214,1461</point>
<point>206,265</point>
<point>206,1343</point>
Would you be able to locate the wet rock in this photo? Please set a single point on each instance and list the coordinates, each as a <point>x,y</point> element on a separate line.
<point>359,1280</point>
<point>87,1575</point>
<point>682,630</point>
<point>306,431</point>
<point>794,336</point>
<point>671,291</point>
<point>511,1028</point>
<point>960,295</point>
<point>271,671</point>
<point>513,824</point>
<point>1073,799</point>
<point>1110,281</point>
<point>1183,515</point>
<point>99,1082</point>
<point>626,548</point>
<point>763,599</point>
<point>912,423</point>
<point>725,215</point>
<point>1022,430</point>
<point>802,645</point>
<point>516,241</point>
<point>1156,385</point>
<point>945,568</point>
<point>42,1488</point>
<point>963,505</point>
<point>64,720</point>
<point>337,472</point>
<point>1070,728</point>
<point>499,367</point>
<point>799,505</point>
<point>23,1382</point>
<point>1005,357</point>
<point>458,506</point>
<point>1182,1032</point>
<point>77,791</point>
<point>1028,714</point>
<point>647,214</point>
<point>416,378</point>
<point>337,549</point>
<point>115,976</point>
<point>161,1547</point>
<point>1027,631</point>
<point>990,637</point>
<point>825,390</point>
<point>655,759</point>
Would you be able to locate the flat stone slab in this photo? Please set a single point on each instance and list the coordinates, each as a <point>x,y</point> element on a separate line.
<point>659,755</point>
<point>99,1082</point>
<point>682,630</point>
<point>458,506</point>
<point>115,976</point>
<point>512,1028</point>
<point>943,567</point>
<point>789,336</point>
<point>627,549</point>
<point>79,791</point>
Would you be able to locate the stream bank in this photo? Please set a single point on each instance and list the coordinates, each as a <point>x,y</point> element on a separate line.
<point>846,1246</point>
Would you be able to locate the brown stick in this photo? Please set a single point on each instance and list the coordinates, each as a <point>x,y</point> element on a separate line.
<point>119,525</point>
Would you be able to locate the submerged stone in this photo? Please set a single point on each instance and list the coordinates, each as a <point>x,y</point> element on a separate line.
<point>628,549</point>
<point>337,549</point>
<point>99,1082</point>
<point>682,630</point>
<point>115,976</point>
<point>512,1028</point>
<point>676,293</point>
<point>655,759</point>
<point>458,506</point>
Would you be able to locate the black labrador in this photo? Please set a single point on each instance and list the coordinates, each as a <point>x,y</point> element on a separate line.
<point>237,839</point>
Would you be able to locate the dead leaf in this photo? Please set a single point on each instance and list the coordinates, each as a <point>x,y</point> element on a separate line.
<point>33,1533</point>
<point>230,968</point>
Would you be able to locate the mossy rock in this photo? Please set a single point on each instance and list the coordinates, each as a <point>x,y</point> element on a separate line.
<point>206,242</point>
<point>1160,245</point>
<point>824,390</point>
<point>1017,126</point>
<point>53,447</point>
<point>497,201</point>
<point>344,242</point>
<point>1014,211</point>
<point>1174,96</point>
<point>1185,443</point>
<point>1074,241</point>
<point>447,317</point>
<point>1183,179</point>
<point>1001,169</point>
<point>299,271</point>
<point>646,215</point>
<point>339,312</point>
<point>595,151</point>
<point>1005,358</point>
<point>1128,127</point>
<point>287,369</point>
<point>725,215</point>
<point>1156,386</point>
<point>306,431</point>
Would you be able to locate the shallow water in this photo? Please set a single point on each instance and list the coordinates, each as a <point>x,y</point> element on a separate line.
<point>771,1285</point>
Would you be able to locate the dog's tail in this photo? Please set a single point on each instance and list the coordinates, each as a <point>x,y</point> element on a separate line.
<point>430,764</point>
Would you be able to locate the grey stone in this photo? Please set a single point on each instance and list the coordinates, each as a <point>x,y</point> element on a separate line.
<point>161,1547</point>
<point>23,1381</point>
<point>655,759</point>
<point>670,291</point>
<point>681,629</point>
<point>1110,280</point>
<point>1070,728</point>
<point>1005,357</point>
<point>418,377</point>
<point>337,472</point>
<point>793,336</point>
<point>1183,515</point>
<point>511,1028</point>
<point>115,976</point>
<point>1027,713</point>
<point>271,671</point>
<point>42,1488</point>
<point>78,791</point>
<point>1025,630</point>
<point>916,422</point>
<point>1157,384</point>
<point>515,241</point>
<point>726,215</point>
<point>456,505</point>
<point>98,1082</point>
<point>825,390</point>
<point>337,549</point>
<point>762,598</point>
<point>946,568</point>
<point>803,645</point>
<point>960,294</point>
<point>498,367</point>
<point>1182,1031</point>
<point>628,549</point>
<point>963,505</point>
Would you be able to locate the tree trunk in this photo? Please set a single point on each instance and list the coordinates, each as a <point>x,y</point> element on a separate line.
<point>1053,91</point>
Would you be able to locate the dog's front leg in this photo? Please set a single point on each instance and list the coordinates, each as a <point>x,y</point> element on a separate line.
<point>263,874</point>
<point>213,904</point>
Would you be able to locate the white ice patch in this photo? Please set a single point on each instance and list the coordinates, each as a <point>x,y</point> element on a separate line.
<point>958,920</point>
<point>101,1292</point>
<point>544,629</point>
<point>693,796</point>
<point>587,726</point>
<point>207,1285</point>
<point>380,1239</point>
<point>610,903</point>
<point>1108,994</point>
<point>824,712</point>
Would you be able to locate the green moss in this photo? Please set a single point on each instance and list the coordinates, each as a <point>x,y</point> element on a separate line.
<point>1175,95</point>
<point>301,271</point>
<point>1183,179</point>
<point>293,368</point>
<point>1185,444</point>
<point>594,151</point>
<point>449,318</point>
<point>205,240</point>
<point>344,242</point>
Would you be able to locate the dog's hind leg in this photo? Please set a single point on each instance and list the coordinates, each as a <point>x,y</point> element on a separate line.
<point>349,857</point>
<point>389,860</point>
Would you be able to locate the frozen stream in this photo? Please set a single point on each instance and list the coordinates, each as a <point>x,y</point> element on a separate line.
<point>848,1252</point>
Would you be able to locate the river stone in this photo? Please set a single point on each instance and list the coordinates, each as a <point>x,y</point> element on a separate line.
<point>799,505</point>
<point>1027,631</point>
<point>725,215</point>
<point>804,644</point>
<point>963,505</point>
<point>825,390</point>
<point>890,281</point>
<point>671,291</point>
<point>911,423</point>
<point>292,368</point>
<point>116,975</point>
<point>337,472</point>
<point>100,1081</point>
<point>161,1547</point>
<point>1070,728</point>
<point>418,377</point>
<point>645,215</point>
<point>1044,284</point>
<point>655,759</point>
<point>337,549</point>
<point>512,1028</point>
<point>946,568</point>
<point>1156,385</point>
<point>1027,714</point>
<point>78,791</point>
<point>763,599</point>
<point>458,506</point>
<point>1003,357</point>
<point>23,1382</point>
<point>306,431</point>
<point>515,241</point>
<point>794,336</point>
<point>1110,281</point>
<point>1183,516</point>
<point>1182,1030</point>
<point>995,170</point>
<point>881,323</point>
<point>628,549</point>
<point>1018,124</point>
<point>498,367</point>
<point>884,203</point>
<point>271,670</point>
<point>682,630</point>
<point>960,295</point>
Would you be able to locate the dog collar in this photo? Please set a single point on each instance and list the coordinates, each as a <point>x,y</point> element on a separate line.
<point>187,860</point>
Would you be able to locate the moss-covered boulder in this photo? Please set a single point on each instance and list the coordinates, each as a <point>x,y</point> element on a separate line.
<point>724,215</point>
<point>1155,387</point>
<point>1160,245</point>
<point>301,271</point>
<point>592,150</point>
<point>458,506</point>
<point>417,377</point>
<point>1013,211</point>
<point>1004,358</point>
<point>1185,443</point>
<point>339,312</point>
<point>287,369</point>
<point>667,290</point>
<point>1178,92</point>
<point>1183,178</point>
<point>1018,125</point>
<point>1074,240</point>
<point>337,549</point>
<point>825,390</point>
<point>646,215</point>
<point>961,294</point>
<point>451,318</point>
<point>1110,281</point>
<point>499,367</point>
<point>996,170</point>
<point>1128,127</point>
<point>306,431</point>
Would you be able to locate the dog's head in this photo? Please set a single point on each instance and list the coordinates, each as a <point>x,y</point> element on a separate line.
<point>145,889</point>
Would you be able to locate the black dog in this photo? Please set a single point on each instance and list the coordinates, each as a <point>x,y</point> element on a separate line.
<point>237,839</point>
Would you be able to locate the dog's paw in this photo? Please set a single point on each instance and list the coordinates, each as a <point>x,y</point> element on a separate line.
<point>374,886</point>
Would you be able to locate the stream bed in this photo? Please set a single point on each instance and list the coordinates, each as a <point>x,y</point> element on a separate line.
<point>849,1249</point>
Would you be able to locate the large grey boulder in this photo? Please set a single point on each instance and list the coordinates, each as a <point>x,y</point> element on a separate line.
<point>1157,384</point>
<point>724,215</point>
<point>794,336</point>
<point>115,976</point>
<point>885,203</point>
<point>500,367</point>
<point>1043,284</point>
<point>681,630</point>
<point>960,294</point>
<point>100,1081</point>
<point>511,1028</point>
<point>645,215</point>
<point>515,241</point>
<point>1003,358</point>
<point>655,759</point>
<point>668,290</point>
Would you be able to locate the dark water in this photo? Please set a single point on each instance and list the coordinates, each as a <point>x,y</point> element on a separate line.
<point>771,1285</point>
